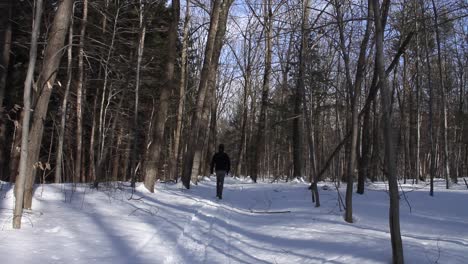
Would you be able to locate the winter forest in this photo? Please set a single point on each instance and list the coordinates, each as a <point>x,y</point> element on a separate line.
<point>340,116</point>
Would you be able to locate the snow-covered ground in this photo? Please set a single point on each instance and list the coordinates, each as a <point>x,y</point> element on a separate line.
<point>254,223</point>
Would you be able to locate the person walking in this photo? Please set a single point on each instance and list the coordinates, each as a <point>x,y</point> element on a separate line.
<point>222,164</point>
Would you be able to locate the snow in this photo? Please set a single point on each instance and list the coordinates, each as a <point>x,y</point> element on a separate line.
<point>254,223</point>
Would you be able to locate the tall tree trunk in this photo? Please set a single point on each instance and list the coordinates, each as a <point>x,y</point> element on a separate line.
<point>92,157</point>
<point>215,38</point>
<point>418,111</point>
<point>418,115</point>
<point>301,93</point>
<point>390,162</point>
<point>354,90</point>
<point>260,136</point>
<point>22,176</point>
<point>79,95</point>
<point>445,143</point>
<point>45,83</point>
<point>140,51</point>
<point>174,161</point>
<point>4,65</point>
<point>102,152</point>
<point>242,143</point>
<point>155,149</point>
<point>432,132</point>
<point>63,114</point>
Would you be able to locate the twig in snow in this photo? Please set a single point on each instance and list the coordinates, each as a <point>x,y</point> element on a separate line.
<point>438,251</point>
<point>466,183</point>
<point>269,212</point>
<point>144,210</point>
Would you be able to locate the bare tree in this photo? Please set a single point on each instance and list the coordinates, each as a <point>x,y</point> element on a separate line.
<point>63,114</point>
<point>218,19</point>
<point>45,83</point>
<point>22,176</point>
<point>4,65</point>
<point>260,136</point>
<point>354,90</point>
<point>182,87</point>
<point>380,16</point>
<point>79,97</point>
<point>154,150</point>
<point>445,143</point>
<point>140,51</point>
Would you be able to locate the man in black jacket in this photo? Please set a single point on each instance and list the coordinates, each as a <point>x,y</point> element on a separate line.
<point>223,165</point>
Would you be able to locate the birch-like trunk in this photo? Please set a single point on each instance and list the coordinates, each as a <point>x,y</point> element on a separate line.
<point>140,51</point>
<point>45,84</point>
<point>63,114</point>
<point>22,175</point>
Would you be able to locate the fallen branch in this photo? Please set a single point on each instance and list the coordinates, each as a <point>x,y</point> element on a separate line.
<point>269,212</point>
<point>466,183</point>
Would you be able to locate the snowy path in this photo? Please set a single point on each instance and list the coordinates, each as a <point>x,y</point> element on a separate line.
<point>175,225</point>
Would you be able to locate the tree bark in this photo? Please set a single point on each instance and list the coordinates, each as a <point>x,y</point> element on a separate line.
<point>22,175</point>
<point>354,94</point>
<point>79,96</point>
<point>140,51</point>
<point>432,132</point>
<point>390,162</point>
<point>154,152</point>
<point>63,114</point>
<point>174,161</point>
<point>215,38</point>
<point>260,136</point>
<point>301,93</point>
<point>4,65</point>
<point>445,143</point>
<point>45,83</point>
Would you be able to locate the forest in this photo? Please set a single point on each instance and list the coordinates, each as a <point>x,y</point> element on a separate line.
<point>143,91</point>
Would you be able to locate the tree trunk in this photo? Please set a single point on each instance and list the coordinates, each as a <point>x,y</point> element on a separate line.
<point>102,152</point>
<point>445,143</point>
<point>79,95</point>
<point>214,42</point>
<point>92,159</point>
<point>4,65</point>
<point>140,51</point>
<point>432,132</point>
<point>45,83</point>
<point>390,163</point>
<point>63,114</point>
<point>354,90</point>
<point>260,136</point>
<point>174,161</point>
<point>154,152</point>
<point>418,113</point>
<point>22,176</point>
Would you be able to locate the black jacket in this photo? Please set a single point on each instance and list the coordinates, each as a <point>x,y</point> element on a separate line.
<point>221,162</point>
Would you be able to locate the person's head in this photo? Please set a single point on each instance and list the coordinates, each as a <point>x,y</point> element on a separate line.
<point>221,148</point>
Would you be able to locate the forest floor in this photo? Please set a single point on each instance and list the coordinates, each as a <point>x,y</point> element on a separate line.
<point>254,223</point>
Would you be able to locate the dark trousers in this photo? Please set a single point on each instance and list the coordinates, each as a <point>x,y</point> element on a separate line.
<point>220,182</point>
